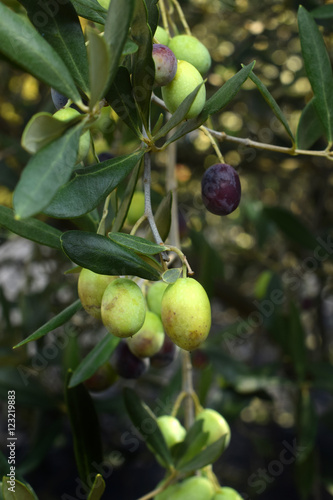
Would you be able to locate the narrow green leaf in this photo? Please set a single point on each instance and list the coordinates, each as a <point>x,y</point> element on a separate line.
<point>218,101</point>
<point>91,185</point>
<point>310,127</point>
<point>19,492</point>
<point>153,14</point>
<point>45,173</point>
<point>140,413</point>
<point>96,358</point>
<point>90,9</point>
<point>58,320</point>
<point>104,256</point>
<point>162,218</point>
<point>139,245</point>
<point>204,457</point>
<point>20,42</point>
<point>130,47</point>
<point>143,64</point>
<point>318,68</point>
<point>61,28</point>
<point>117,26</point>
<point>120,98</point>
<point>179,114</point>
<point>272,104</point>
<point>99,65</point>
<point>32,229</point>
<point>97,489</point>
<point>85,429</point>
<point>126,200</point>
<point>323,12</point>
<point>171,275</point>
<point>307,425</point>
<point>291,226</point>
<point>42,129</point>
<point>296,342</point>
<point>193,443</point>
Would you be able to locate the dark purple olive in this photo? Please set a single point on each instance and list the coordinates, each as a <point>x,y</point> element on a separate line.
<point>126,364</point>
<point>220,189</point>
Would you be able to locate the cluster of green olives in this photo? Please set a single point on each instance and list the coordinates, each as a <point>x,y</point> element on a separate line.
<point>196,487</point>
<point>181,310</point>
<point>180,63</point>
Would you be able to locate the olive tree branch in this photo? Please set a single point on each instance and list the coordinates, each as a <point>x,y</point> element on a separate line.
<point>182,17</point>
<point>222,136</point>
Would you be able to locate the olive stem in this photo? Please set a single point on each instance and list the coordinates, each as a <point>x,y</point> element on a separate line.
<point>182,17</point>
<point>181,256</point>
<point>213,143</point>
<point>101,226</point>
<point>138,224</point>
<point>148,210</point>
<point>171,185</point>
<point>164,16</point>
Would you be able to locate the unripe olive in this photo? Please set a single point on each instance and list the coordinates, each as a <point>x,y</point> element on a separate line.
<point>161,35</point>
<point>165,64</point>
<point>172,429</point>
<point>91,287</point>
<point>190,49</point>
<point>149,339</point>
<point>187,78</point>
<point>136,208</point>
<point>67,114</point>
<point>186,313</point>
<point>193,488</point>
<point>123,308</point>
<point>102,379</point>
<point>227,493</point>
<point>215,425</point>
<point>155,295</point>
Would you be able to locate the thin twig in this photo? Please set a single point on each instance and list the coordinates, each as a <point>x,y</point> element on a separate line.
<point>222,136</point>
<point>148,210</point>
<point>101,226</point>
<point>213,143</point>
<point>182,17</point>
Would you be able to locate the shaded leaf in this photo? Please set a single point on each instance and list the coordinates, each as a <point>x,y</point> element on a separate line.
<point>307,425</point>
<point>85,429</point>
<point>99,65</point>
<point>96,358</point>
<point>171,275</point>
<point>120,98</point>
<point>101,255</point>
<point>45,173</point>
<point>141,416</point>
<point>32,229</point>
<point>20,42</point>
<point>90,9</point>
<point>59,320</point>
<point>310,127</point>
<point>323,12</point>
<point>296,341</point>
<point>143,64</point>
<point>61,28</point>
<point>90,186</point>
<point>21,491</point>
<point>272,104</point>
<point>291,226</point>
<point>97,489</point>
<point>129,48</point>
<point>117,25</point>
<point>153,14</point>
<point>204,457</point>
<point>193,443</point>
<point>139,245</point>
<point>42,129</point>
<point>126,200</point>
<point>318,68</point>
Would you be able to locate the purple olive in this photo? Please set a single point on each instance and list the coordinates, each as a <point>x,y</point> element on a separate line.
<point>220,189</point>
<point>126,364</point>
<point>165,64</point>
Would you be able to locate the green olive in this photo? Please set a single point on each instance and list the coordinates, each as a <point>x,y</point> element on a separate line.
<point>215,425</point>
<point>190,49</point>
<point>91,287</point>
